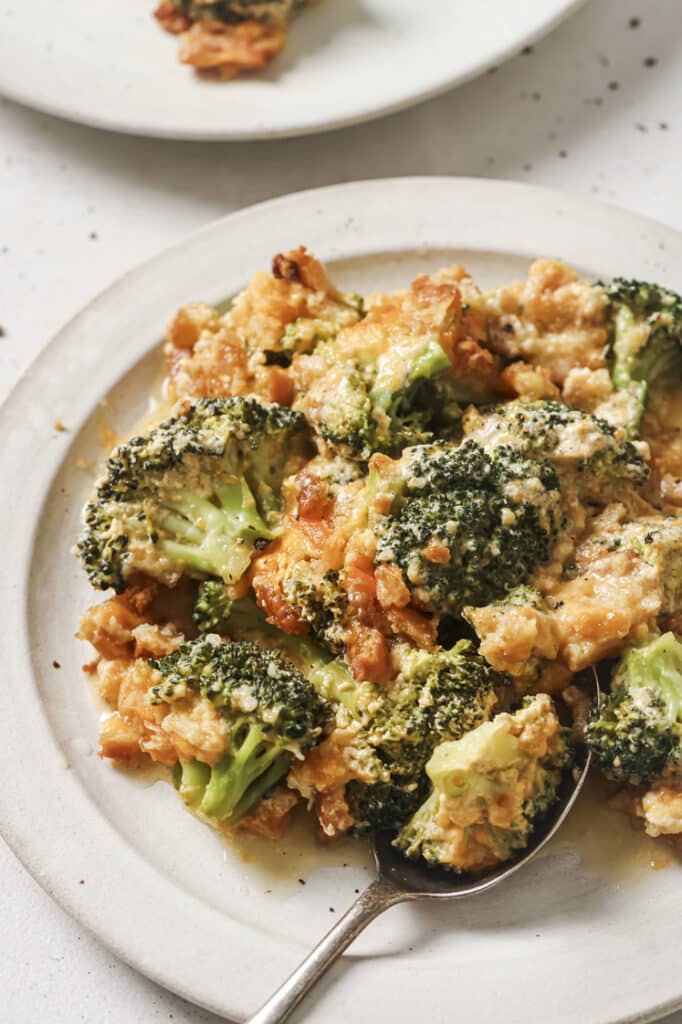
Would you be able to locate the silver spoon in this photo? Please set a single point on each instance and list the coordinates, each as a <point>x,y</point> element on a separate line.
<point>401,881</point>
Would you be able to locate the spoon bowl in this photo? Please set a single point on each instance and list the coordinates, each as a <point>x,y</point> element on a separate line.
<point>400,880</point>
<point>417,881</point>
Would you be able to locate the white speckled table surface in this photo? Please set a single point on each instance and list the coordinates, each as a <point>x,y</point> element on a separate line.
<point>594,108</point>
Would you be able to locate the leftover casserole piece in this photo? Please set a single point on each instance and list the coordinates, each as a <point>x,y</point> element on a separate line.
<point>225,37</point>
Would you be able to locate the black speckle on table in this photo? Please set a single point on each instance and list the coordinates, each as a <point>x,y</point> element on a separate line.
<point>526,51</point>
<point>93,236</point>
<point>331,910</point>
<point>301,881</point>
<point>663,125</point>
<point>56,664</point>
<point>613,86</point>
<point>563,154</point>
<point>634,22</point>
<point>650,62</point>
<point>641,127</point>
<point>536,96</point>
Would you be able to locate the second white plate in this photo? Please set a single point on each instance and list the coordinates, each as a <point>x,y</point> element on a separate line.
<point>109,64</point>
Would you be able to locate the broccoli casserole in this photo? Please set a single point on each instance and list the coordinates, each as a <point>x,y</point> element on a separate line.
<point>225,37</point>
<point>361,562</point>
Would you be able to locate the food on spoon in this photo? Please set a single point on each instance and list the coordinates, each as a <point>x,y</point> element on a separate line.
<point>490,789</point>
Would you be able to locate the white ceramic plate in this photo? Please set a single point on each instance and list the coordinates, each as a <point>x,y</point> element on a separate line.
<point>109,64</point>
<point>562,942</point>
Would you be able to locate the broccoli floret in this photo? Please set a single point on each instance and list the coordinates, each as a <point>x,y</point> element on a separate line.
<point>243,620</point>
<point>466,525</point>
<point>212,607</point>
<point>438,695</point>
<point>319,600</point>
<point>636,733</point>
<point>490,788</point>
<point>272,711</point>
<point>595,455</point>
<point>647,339</point>
<point>358,408</point>
<point>193,496</point>
<point>304,335</point>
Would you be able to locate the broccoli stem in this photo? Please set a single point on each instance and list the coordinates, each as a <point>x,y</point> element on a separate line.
<point>213,539</point>
<point>658,665</point>
<point>334,682</point>
<point>260,787</point>
<point>432,361</point>
<point>241,778</point>
<point>190,779</point>
<point>636,368</point>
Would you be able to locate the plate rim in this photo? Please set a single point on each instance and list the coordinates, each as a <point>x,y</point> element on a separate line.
<point>331,204</point>
<point>73,114</point>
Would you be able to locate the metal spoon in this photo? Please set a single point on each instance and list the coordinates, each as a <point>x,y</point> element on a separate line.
<point>401,881</point>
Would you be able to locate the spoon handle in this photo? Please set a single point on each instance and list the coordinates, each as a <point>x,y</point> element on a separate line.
<point>377,897</point>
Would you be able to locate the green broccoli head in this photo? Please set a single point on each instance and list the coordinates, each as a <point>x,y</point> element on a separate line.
<point>234,11</point>
<point>242,619</point>
<point>305,334</point>
<point>490,788</point>
<point>273,714</point>
<point>467,525</point>
<point>193,496</point>
<point>636,733</point>
<point>596,456</point>
<point>646,339</point>
<point>212,607</point>
<point>438,695</point>
<point>382,405</point>
<point>319,599</point>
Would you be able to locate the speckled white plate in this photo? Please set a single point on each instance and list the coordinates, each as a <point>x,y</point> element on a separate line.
<point>564,941</point>
<point>109,64</point>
